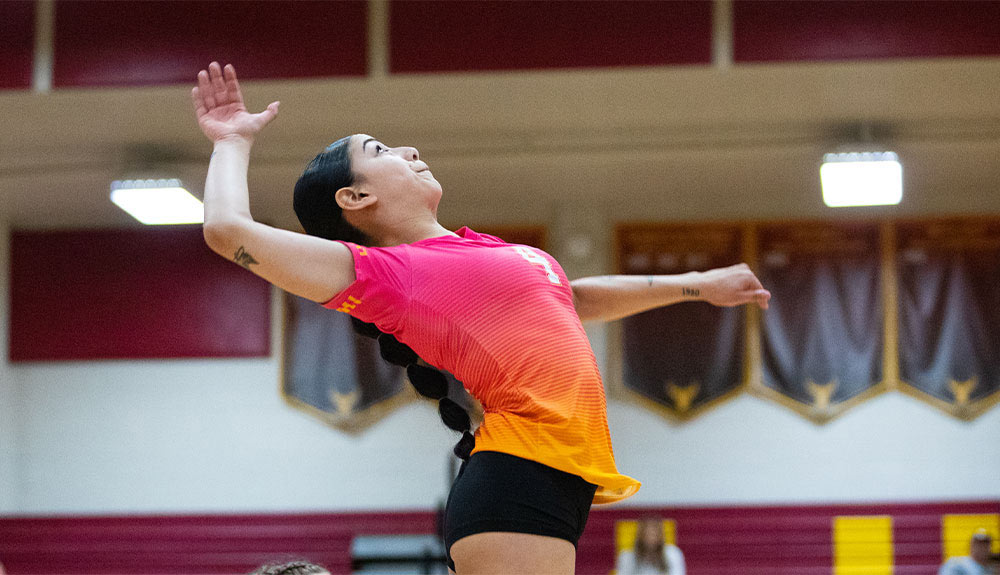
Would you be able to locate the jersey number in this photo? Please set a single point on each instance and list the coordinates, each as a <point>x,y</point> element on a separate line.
<point>537,259</point>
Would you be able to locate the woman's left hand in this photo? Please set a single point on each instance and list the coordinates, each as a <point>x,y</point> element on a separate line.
<point>732,286</point>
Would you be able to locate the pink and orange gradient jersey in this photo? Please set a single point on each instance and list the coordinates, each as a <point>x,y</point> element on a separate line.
<point>500,318</point>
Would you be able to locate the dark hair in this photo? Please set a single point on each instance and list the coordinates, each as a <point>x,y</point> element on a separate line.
<point>320,215</point>
<point>299,567</point>
<point>314,199</point>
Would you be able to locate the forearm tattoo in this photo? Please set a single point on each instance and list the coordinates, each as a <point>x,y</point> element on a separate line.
<point>691,291</point>
<point>244,258</point>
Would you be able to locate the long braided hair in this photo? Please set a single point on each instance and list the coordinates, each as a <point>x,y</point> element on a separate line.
<point>320,215</point>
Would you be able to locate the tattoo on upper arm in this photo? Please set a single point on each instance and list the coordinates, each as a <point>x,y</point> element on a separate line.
<point>691,291</point>
<point>649,280</point>
<point>244,258</point>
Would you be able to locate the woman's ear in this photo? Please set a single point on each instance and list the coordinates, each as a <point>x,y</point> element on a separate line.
<point>351,198</point>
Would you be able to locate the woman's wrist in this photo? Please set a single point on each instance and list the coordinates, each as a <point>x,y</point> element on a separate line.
<point>237,142</point>
<point>693,285</point>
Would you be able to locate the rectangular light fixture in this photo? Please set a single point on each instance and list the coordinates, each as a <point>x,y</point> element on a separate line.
<point>861,179</point>
<point>157,202</point>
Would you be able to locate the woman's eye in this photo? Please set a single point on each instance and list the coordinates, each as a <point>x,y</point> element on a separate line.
<point>379,148</point>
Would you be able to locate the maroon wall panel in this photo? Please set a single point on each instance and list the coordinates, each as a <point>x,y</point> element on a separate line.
<point>839,30</point>
<point>17,36</point>
<point>443,36</point>
<point>123,294</point>
<point>776,540</point>
<point>164,42</point>
<point>191,544</point>
<point>748,540</point>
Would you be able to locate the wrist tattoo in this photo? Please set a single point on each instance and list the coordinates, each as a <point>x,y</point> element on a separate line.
<point>691,291</point>
<point>244,258</point>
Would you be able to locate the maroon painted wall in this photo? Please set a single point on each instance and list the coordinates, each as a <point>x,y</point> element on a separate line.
<point>165,42</point>
<point>128,294</point>
<point>748,540</point>
<point>17,31</point>
<point>443,36</point>
<point>863,29</point>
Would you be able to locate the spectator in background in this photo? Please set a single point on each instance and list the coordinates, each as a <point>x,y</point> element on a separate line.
<point>651,554</point>
<point>977,562</point>
<point>291,568</point>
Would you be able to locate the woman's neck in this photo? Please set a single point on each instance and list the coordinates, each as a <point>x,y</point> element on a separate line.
<point>412,231</point>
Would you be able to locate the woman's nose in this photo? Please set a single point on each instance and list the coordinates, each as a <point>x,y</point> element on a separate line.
<point>409,154</point>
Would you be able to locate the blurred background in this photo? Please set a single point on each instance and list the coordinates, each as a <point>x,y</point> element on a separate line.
<point>163,411</point>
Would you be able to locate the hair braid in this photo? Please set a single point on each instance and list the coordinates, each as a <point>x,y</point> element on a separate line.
<point>428,381</point>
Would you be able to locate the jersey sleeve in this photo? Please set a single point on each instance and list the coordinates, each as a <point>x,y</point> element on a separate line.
<point>380,293</point>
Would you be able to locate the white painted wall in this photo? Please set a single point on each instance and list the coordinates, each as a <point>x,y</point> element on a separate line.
<point>8,427</point>
<point>215,436</point>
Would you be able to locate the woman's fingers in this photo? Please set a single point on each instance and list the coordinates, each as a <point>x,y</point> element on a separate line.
<point>199,105</point>
<point>205,90</point>
<point>232,84</point>
<point>265,117</point>
<point>762,297</point>
<point>218,84</point>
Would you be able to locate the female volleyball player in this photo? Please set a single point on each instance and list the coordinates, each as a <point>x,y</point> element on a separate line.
<point>504,319</point>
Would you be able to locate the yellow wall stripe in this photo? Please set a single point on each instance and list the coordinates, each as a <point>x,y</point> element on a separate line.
<point>862,545</point>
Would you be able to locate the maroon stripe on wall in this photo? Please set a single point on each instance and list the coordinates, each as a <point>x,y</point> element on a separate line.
<point>167,42</point>
<point>128,294</point>
<point>748,540</point>
<point>443,36</point>
<point>17,29</point>
<point>841,30</point>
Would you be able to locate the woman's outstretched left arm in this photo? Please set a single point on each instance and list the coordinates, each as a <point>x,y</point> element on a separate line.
<point>607,298</point>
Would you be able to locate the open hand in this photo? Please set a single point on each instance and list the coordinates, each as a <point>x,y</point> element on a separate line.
<point>732,286</point>
<point>218,104</point>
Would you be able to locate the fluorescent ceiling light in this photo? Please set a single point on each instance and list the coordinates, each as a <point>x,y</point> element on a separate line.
<point>861,179</point>
<point>156,202</point>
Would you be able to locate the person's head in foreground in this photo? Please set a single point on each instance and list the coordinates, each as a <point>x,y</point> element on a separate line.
<point>299,567</point>
<point>360,190</point>
<point>979,547</point>
<point>649,543</point>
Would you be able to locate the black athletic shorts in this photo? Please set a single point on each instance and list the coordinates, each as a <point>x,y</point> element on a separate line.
<point>501,492</point>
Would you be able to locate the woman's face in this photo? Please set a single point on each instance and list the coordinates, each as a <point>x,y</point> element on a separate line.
<point>396,176</point>
<point>651,533</point>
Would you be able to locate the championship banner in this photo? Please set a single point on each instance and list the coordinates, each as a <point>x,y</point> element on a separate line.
<point>822,336</point>
<point>333,373</point>
<point>684,358</point>
<point>949,313</point>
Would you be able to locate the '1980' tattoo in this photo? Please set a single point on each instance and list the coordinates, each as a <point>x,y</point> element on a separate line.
<point>244,258</point>
<point>691,291</point>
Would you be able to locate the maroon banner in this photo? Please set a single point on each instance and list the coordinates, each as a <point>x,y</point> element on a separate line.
<point>686,357</point>
<point>131,294</point>
<point>949,318</point>
<point>822,336</point>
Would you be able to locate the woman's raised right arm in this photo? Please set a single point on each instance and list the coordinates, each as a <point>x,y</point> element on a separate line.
<point>307,266</point>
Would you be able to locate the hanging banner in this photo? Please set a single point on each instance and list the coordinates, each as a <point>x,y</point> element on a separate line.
<point>822,336</point>
<point>684,358</point>
<point>949,313</point>
<point>333,373</point>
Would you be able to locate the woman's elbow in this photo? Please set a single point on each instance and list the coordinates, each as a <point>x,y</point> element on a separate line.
<point>221,236</point>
